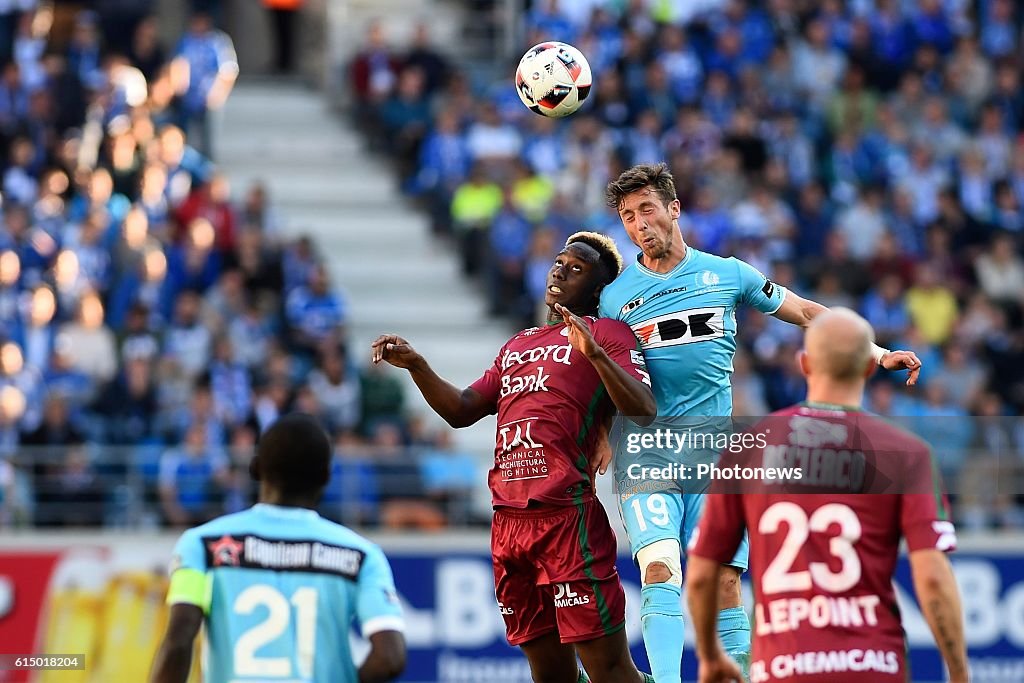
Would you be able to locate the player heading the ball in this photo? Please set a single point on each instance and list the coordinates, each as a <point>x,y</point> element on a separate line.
<point>553,549</point>
<point>682,304</point>
<point>278,586</point>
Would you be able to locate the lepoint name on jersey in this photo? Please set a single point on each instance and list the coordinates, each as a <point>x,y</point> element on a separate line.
<point>820,611</point>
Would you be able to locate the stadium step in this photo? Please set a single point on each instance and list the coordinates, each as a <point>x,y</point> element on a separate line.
<point>395,276</point>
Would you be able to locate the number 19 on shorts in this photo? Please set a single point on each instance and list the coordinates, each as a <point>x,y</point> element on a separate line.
<point>651,508</point>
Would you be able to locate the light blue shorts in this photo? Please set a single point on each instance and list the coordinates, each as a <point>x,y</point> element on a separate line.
<point>662,515</point>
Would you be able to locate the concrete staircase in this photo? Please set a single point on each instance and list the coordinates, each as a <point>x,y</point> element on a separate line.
<point>395,276</point>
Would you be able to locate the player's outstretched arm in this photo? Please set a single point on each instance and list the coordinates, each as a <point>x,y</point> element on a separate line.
<point>458,407</point>
<point>937,593</point>
<point>386,660</point>
<point>800,311</point>
<point>702,597</point>
<point>174,658</point>
<point>632,397</point>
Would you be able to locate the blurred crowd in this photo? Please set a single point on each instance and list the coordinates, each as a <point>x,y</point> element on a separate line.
<point>153,322</point>
<point>865,153</point>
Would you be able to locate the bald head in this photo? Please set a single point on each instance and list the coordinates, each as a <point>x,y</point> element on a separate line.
<point>838,345</point>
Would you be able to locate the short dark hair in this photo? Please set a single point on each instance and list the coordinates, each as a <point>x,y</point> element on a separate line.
<point>610,258</point>
<point>655,176</point>
<point>294,455</point>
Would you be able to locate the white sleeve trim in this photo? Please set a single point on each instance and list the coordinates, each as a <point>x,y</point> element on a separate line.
<point>781,301</point>
<point>384,623</point>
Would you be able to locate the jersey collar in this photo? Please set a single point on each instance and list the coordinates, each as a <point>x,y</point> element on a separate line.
<point>285,511</point>
<point>687,257</point>
<point>818,405</point>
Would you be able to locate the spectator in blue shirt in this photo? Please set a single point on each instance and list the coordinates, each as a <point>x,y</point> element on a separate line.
<point>145,285</point>
<point>681,63</point>
<point>230,384</point>
<point>83,55</point>
<point>728,55</point>
<point>892,38</point>
<point>883,307</point>
<point>998,30</point>
<point>251,334</point>
<point>187,341</point>
<point>192,480</point>
<point>406,116</point>
<point>13,99</point>
<point>212,66</point>
<point>186,167</point>
<point>128,405</point>
<point>656,96</point>
<point>315,314</point>
<point>194,265</point>
<point>36,331</point>
<point>351,496</point>
<point>929,25</point>
<point>509,243</point>
<point>299,262</point>
<point>444,163</point>
<point>26,380</point>
<point>547,19</point>
<point>710,223</point>
<point>753,25</point>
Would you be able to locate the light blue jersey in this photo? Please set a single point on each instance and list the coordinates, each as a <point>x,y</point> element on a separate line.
<point>685,321</point>
<point>282,588</point>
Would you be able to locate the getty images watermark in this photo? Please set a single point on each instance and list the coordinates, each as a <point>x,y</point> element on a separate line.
<point>678,441</point>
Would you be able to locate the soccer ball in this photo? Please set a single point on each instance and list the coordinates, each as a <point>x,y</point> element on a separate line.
<point>553,79</point>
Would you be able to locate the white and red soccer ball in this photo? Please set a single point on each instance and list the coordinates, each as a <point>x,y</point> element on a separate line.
<point>553,79</point>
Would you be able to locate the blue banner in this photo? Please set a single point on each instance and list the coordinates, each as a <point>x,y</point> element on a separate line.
<point>456,634</point>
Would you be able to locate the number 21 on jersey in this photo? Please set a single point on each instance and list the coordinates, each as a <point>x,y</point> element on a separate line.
<point>279,611</point>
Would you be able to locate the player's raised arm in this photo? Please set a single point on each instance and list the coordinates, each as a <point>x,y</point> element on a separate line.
<point>631,395</point>
<point>772,299</point>
<point>939,598</point>
<point>458,407</point>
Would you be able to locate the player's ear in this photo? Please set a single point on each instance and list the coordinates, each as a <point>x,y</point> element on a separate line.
<point>803,363</point>
<point>254,468</point>
<point>675,209</point>
<point>870,368</point>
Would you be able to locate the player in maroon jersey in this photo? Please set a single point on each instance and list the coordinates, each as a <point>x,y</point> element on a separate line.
<point>823,562</point>
<point>552,387</point>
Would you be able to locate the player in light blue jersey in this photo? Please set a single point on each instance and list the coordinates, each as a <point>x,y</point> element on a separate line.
<point>681,304</point>
<point>279,587</point>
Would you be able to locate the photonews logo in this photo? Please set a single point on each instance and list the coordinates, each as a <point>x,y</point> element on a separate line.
<point>565,596</point>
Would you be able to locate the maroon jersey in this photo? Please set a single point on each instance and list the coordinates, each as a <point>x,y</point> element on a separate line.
<point>822,563</point>
<point>549,401</point>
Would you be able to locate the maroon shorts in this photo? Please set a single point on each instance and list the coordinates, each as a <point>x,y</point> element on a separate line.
<point>554,568</point>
